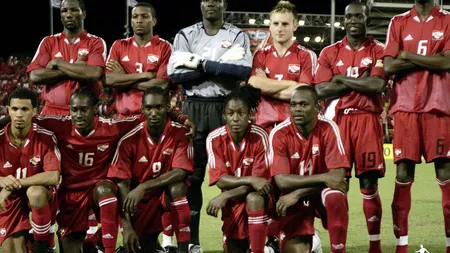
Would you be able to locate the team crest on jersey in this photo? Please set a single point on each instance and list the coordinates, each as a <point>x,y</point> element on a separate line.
<point>398,152</point>
<point>226,43</point>
<point>366,61</point>
<point>315,149</point>
<point>35,160</point>
<point>82,51</point>
<point>2,232</point>
<point>102,147</point>
<point>152,59</point>
<point>437,35</point>
<point>247,161</point>
<point>168,151</point>
<point>294,68</point>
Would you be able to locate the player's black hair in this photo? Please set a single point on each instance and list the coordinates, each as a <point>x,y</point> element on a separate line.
<point>155,90</point>
<point>250,95</point>
<point>365,7</point>
<point>24,93</point>
<point>88,92</point>
<point>80,3</point>
<point>148,5</point>
<point>315,95</point>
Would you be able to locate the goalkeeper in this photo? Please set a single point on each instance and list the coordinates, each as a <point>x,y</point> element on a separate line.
<point>208,59</point>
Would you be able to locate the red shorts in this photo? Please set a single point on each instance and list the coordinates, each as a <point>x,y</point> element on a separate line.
<point>362,136</point>
<point>15,218</point>
<point>147,219</point>
<point>235,219</point>
<point>56,110</point>
<point>421,134</point>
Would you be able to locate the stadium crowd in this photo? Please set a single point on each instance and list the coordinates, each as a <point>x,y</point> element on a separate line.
<point>124,136</point>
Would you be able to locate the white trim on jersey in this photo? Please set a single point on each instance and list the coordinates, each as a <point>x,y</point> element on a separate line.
<point>337,133</point>
<point>129,134</point>
<point>389,26</point>
<point>115,121</point>
<point>62,118</point>
<point>38,50</point>
<point>265,140</point>
<point>283,124</point>
<point>42,130</point>
<point>209,149</point>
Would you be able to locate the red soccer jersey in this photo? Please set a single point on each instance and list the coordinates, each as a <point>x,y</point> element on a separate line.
<point>140,159</point>
<point>152,57</point>
<point>297,64</point>
<point>85,159</point>
<point>250,158</point>
<point>420,91</point>
<point>58,47</point>
<point>291,153</point>
<point>341,59</point>
<point>38,154</point>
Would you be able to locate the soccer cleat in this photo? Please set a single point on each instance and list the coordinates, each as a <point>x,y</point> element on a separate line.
<point>170,249</point>
<point>195,249</point>
<point>120,249</point>
<point>272,246</point>
<point>51,250</point>
<point>317,246</point>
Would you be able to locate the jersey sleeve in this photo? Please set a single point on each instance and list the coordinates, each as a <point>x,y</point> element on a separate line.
<point>57,124</point>
<point>258,61</point>
<point>447,37</point>
<point>378,65</point>
<point>261,159</point>
<point>114,53</point>
<point>216,163</point>
<point>42,56</point>
<point>324,71</point>
<point>97,56</point>
<point>183,157</point>
<point>164,60</point>
<point>308,62</point>
<point>278,155</point>
<point>52,156</point>
<point>335,156</point>
<point>121,165</point>
<point>393,41</point>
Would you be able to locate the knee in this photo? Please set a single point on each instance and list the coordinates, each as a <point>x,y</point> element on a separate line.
<point>38,196</point>
<point>254,198</point>
<point>368,181</point>
<point>104,189</point>
<point>405,172</point>
<point>334,200</point>
<point>177,190</point>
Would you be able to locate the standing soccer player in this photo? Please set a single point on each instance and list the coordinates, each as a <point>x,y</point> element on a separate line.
<point>350,74</point>
<point>280,67</point>
<point>65,61</point>
<point>238,165</point>
<point>151,163</point>
<point>307,154</point>
<point>418,54</point>
<point>208,59</point>
<point>31,164</point>
<point>137,63</point>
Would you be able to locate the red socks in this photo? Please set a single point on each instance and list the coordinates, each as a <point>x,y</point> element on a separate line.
<point>257,229</point>
<point>109,214</point>
<point>336,205</point>
<point>180,215</point>
<point>373,211</point>
<point>401,205</point>
<point>41,222</point>
<point>445,187</point>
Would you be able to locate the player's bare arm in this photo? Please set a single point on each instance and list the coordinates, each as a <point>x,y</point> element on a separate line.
<point>293,197</point>
<point>134,196</point>
<point>334,179</point>
<point>220,201</point>
<point>10,183</point>
<point>46,76</point>
<point>47,178</point>
<point>437,62</point>
<point>395,66</point>
<point>161,82</point>
<point>118,78</point>
<point>363,84</point>
<point>259,184</point>
<point>270,86</point>
<point>4,194</point>
<point>130,238</point>
<point>80,72</point>
<point>332,90</point>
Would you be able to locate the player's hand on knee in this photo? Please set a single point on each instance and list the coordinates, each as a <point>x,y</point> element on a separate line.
<point>10,183</point>
<point>215,205</point>
<point>4,194</point>
<point>261,185</point>
<point>131,241</point>
<point>133,198</point>
<point>336,182</point>
<point>285,202</point>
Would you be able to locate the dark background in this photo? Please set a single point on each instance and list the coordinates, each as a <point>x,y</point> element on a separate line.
<point>26,22</point>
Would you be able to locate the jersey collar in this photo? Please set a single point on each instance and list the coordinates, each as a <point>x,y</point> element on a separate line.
<point>27,139</point>
<point>433,13</point>
<point>289,51</point>
<point>75,131</point>
<point>243,142</point>
<point>78,39</point>
<point>300,135</point>
<point>163,135</point>
<point>153,40</point>
<point>363,45</point>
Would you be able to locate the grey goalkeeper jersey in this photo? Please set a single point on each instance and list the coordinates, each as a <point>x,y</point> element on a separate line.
<point>218,77</point>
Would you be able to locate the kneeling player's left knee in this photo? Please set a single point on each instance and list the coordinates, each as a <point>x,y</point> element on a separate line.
<point>38,196</point>
<point>104,189</point>
<point>177,190</point>
<point>254,201</point>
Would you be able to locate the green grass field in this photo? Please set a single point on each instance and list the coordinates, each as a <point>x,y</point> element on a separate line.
<point>426,223</point>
